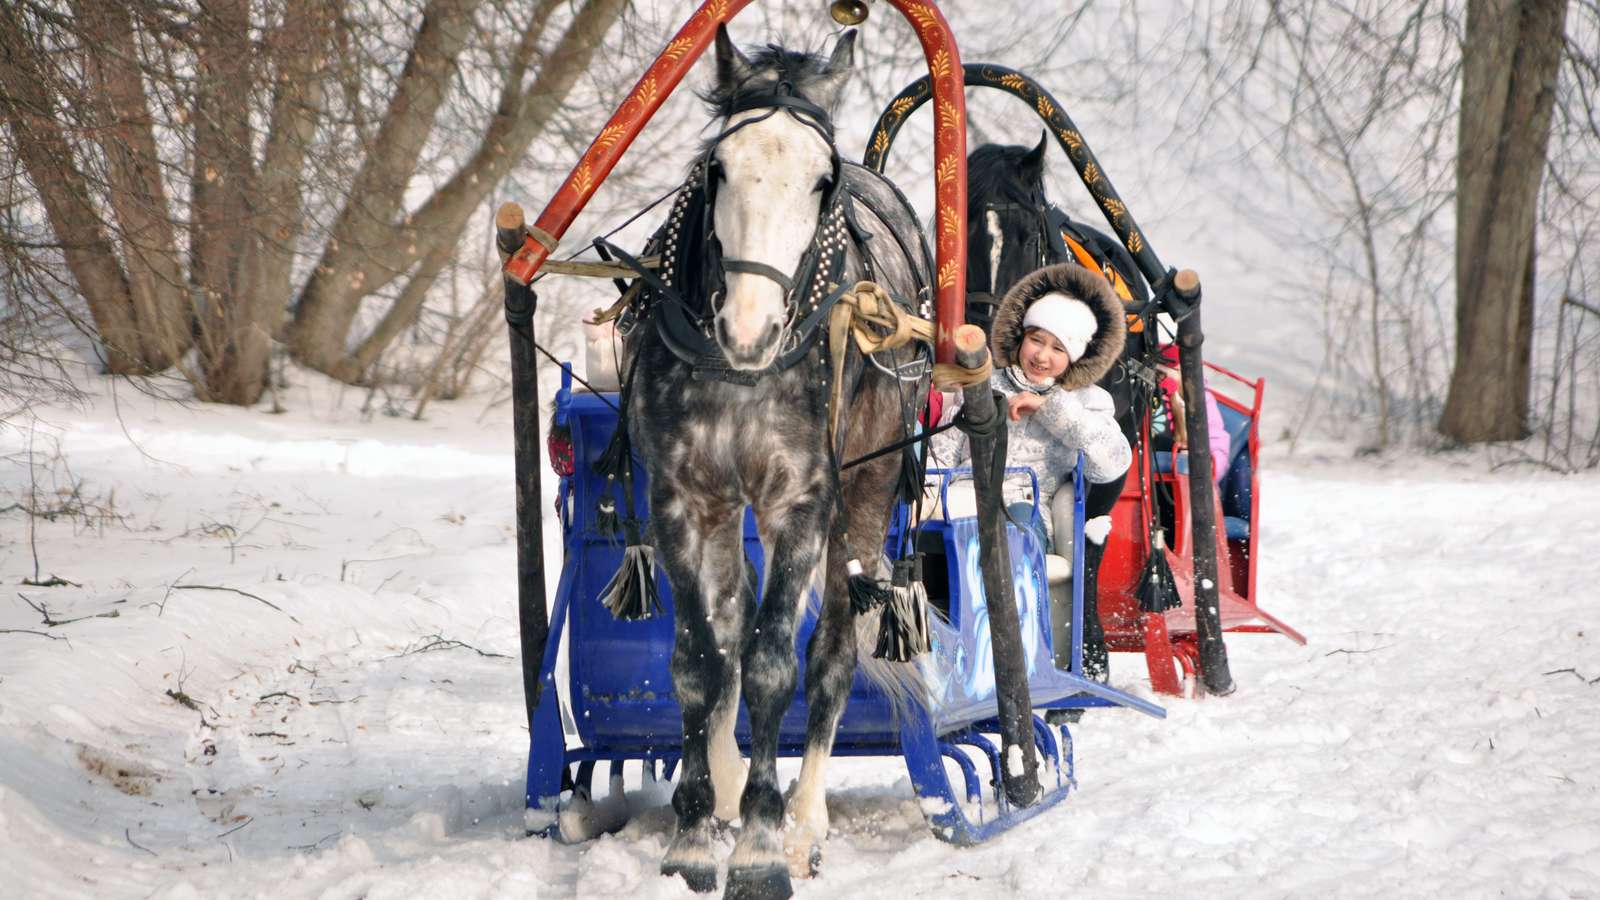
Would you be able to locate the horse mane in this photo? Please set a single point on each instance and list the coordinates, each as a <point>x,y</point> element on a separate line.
<point>769,66</point>
<point>992,176</point>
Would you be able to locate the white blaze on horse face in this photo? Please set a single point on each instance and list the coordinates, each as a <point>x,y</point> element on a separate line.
<point>766,212</point>
<point>997,244</point>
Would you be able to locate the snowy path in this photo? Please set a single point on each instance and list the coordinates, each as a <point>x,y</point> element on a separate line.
<point>1435,735</point>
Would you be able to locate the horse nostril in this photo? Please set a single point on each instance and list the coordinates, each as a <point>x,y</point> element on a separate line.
<point>774,330</point>
<point>722,332</point>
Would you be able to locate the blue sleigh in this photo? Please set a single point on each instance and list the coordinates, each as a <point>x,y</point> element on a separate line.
<point>619,688</point>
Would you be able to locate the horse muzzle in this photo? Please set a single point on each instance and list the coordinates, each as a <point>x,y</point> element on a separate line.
<point>750,336</point>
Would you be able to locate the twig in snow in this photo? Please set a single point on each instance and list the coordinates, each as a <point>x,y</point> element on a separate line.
<point>1575,674</point>
<point>185,699</point>
<point>234,828</point>
<point>344,564</point>
<point>265,697</point>
<point>217,587</point>
<point>43,634</point>
<point>53,581</point>
<point>128,834</point>
<point>270,734</point>
<point>44,611</point>
<point>162,606</point>
<point>1352,652</point>
<point>439,642</point>
<point>315,845</point>
<point>337,700</point>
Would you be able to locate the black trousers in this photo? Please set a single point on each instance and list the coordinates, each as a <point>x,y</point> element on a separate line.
<point>1096,659</point>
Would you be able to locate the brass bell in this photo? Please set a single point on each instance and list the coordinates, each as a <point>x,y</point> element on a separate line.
<point>848,12</point>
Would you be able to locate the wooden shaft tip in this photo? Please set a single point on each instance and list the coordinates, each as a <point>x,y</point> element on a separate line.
<point>1187,283</point>
<point>970,338</point>
<point>509,217</point>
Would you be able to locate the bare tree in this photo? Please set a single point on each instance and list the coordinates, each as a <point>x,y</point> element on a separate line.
<point>186,157</point>
<point>376,240</point>
<point>1510,63</point>
<point>141,320</point>
<point>1392,115</point>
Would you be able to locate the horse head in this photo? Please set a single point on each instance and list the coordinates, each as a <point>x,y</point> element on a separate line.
<point>1005,210</point>
<point>773,174</point>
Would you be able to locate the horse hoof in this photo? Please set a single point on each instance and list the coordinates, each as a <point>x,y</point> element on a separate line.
<point>804,861</point>
<point>700,879</point>
<point>759,883</point>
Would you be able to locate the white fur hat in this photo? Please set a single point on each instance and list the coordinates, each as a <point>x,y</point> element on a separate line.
<point>1068,318</point>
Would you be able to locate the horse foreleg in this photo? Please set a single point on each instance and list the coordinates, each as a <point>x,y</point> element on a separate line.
<point>706,569</point>
<point>728,767</point>
<point>757,867</point>
<point>830,669</point>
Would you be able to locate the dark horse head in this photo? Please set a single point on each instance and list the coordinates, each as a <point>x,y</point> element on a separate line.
<point>1013,230</point>
<point>729,404</point>
<point>1006,206</point>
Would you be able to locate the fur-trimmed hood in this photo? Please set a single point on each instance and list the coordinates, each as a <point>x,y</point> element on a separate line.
<point>1104,349</point>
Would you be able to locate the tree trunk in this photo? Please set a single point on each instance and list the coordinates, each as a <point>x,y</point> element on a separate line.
<point>234,323</point>
<point>520,117</point>
<point>433,231</point>
<point>63,190</point>
<point>1510,63</point>
<point>123,129</point>
<point>299,52</point>
<point>330,299</point>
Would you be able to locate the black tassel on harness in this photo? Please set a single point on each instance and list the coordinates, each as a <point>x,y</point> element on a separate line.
<point>631,593</point>
<point>909,485</point>
<point>606,520</point>
<point>866,593</point>
<point>1157,590</point>
<point>903,630</point>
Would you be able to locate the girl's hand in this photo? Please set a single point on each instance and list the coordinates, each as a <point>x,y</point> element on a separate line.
<point>1021,405</point>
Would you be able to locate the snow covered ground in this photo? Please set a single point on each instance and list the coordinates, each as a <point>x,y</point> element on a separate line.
<point>295,673</point>
<point>298,679</point>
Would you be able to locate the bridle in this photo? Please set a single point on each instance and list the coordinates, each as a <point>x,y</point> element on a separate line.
<point>694,267</point>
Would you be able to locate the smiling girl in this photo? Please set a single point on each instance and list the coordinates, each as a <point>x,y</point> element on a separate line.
<point>1056,333</point>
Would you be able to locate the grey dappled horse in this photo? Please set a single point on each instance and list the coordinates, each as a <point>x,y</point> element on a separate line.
<point>728,405</point>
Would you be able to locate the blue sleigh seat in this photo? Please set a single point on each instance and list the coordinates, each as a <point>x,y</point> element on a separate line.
<point>619,684</point>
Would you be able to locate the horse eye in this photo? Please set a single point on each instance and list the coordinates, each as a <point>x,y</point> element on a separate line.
<point>823,184</point>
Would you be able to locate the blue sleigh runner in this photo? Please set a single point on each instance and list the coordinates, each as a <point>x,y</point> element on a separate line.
<point>619,689</point>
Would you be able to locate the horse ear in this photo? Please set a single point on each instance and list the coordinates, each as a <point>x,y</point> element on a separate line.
<point>1033,163</point>
<point>732,66</point>
<point>844,53</point>
<point>837,71</point>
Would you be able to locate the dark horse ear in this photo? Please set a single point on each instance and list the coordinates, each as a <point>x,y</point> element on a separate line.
<point>733,67</point>
<point>1033,162</point>
<point>834,75</point>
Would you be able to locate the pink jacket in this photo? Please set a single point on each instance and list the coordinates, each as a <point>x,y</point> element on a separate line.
<point>1216,432</point>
